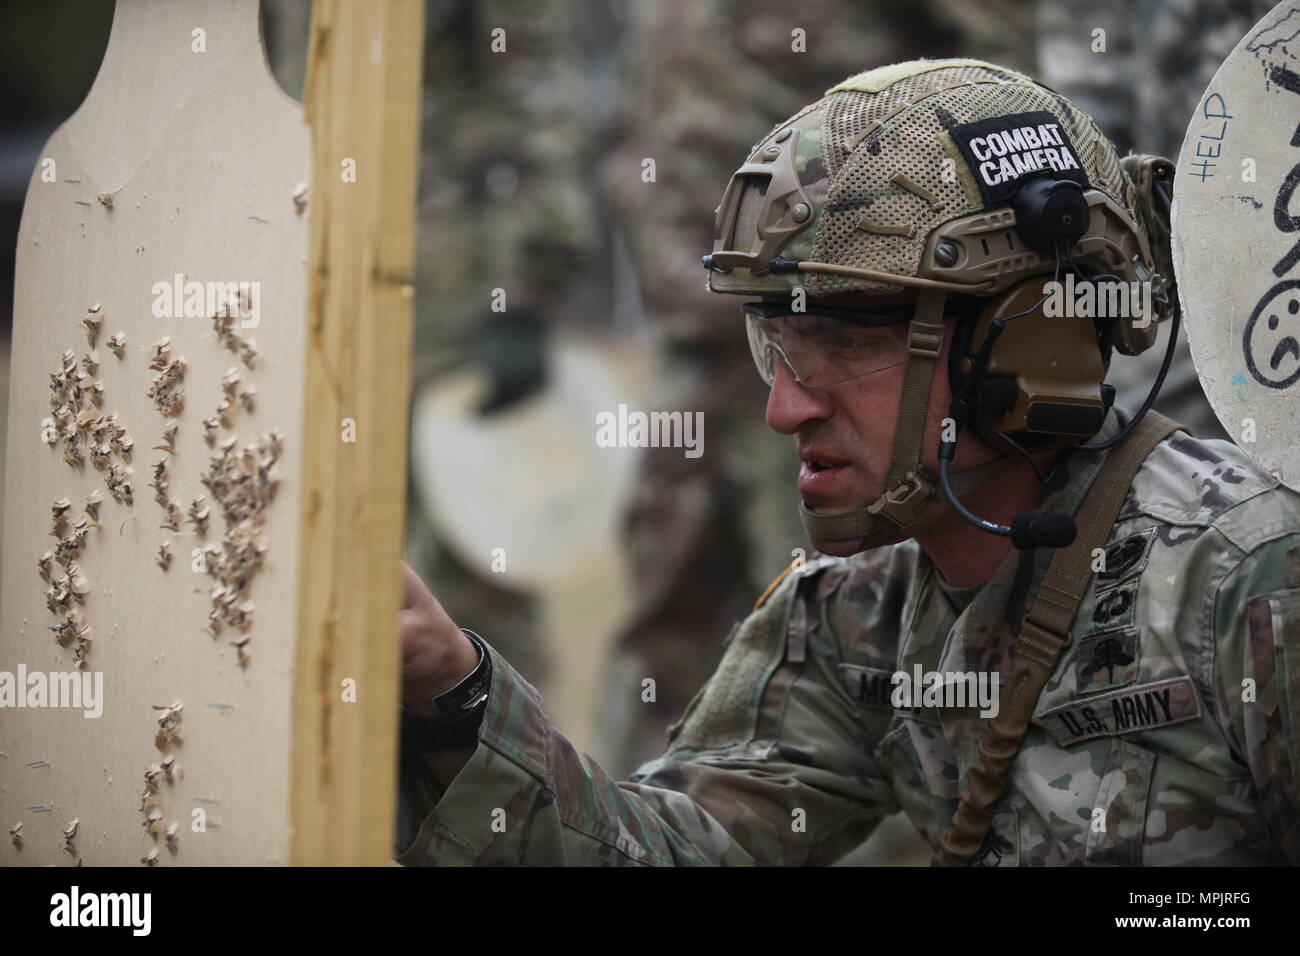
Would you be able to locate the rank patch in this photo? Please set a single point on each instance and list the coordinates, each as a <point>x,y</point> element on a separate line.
<point>1145,707</point>
<point>1001,845</point>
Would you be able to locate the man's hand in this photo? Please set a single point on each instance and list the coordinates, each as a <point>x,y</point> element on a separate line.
<point>435,654</point>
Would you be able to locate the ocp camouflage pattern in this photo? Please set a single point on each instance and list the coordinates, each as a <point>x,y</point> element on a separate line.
<point>1166,736</point>
<point>891,171</point>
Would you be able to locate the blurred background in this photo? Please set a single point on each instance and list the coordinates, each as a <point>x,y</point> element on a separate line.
<point>566,195</point>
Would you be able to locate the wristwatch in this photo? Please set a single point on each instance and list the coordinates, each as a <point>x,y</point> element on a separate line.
<point>460,709</point>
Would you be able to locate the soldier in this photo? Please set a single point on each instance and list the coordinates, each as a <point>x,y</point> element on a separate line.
<point>988,519</point>
<point>701,533</point>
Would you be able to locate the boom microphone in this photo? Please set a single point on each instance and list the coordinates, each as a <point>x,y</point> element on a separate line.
<point>1051,530</point>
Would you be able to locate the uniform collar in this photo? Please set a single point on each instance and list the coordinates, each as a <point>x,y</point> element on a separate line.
<point>992,616</point>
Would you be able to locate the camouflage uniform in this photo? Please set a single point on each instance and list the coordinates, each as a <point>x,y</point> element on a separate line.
<point>1168,734</point>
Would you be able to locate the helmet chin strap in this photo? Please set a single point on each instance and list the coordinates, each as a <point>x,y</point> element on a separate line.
<point>888,518</point>
<point>908,485</point>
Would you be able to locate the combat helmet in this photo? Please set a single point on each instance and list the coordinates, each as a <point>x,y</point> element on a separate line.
<point>956,178</point>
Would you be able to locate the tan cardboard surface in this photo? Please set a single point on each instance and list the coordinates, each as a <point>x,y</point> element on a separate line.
<point>201,154</point>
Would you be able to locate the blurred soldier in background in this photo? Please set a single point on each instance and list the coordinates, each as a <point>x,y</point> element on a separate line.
<point>505,203</point>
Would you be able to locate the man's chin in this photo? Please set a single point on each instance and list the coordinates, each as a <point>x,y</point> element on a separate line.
<point>844,547</point>
<point>838,549</point>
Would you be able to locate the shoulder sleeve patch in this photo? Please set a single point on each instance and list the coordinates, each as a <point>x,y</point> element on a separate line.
<point>771,588</point>
<point>725,713</point>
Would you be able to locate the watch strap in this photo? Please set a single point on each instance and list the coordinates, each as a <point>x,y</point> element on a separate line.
<point>470,687</point>
<point>460,709</point>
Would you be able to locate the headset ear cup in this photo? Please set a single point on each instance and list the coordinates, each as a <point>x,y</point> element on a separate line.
<point>1041,383</point>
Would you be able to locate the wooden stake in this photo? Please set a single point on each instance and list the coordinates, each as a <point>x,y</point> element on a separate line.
<point>362,104</point>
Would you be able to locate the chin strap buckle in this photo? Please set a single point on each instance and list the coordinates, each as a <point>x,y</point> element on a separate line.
<point>902,504</point>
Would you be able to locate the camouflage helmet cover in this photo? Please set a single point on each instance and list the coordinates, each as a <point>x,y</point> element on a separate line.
<point>864,176</point>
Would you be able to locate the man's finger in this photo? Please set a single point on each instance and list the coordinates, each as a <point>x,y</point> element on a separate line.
<point>411,586</point>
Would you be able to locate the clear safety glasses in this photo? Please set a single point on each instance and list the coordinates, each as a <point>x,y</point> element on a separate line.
<point>824,346</point>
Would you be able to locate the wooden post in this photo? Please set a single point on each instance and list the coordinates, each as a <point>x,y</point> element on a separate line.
<point>362,102</point>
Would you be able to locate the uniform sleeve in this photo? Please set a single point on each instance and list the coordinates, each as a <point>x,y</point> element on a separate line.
<point>1256,654</point>
<point>770,765</point>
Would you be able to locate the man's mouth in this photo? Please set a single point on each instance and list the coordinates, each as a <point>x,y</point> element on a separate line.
<point>815,465</point>
<point>817,459</point>
<point>820,476</point>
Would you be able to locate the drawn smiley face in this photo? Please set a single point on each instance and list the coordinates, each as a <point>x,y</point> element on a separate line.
<point>1270,340</point>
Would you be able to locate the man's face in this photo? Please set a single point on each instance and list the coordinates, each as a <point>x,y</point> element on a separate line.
<point>844,433</point>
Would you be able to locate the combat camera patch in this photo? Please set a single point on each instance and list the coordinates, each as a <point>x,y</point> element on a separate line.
<point>869,686</point>
<point>1106,659</point>
<point>1003,150</point>
<point>1145,707</point>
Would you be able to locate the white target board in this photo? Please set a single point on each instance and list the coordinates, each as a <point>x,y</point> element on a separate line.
<point>1236,227</point>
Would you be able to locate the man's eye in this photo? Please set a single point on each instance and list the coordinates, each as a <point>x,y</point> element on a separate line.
<point>852,343</point>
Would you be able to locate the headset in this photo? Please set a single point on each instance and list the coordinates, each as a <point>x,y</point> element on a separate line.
<point>1016,394</point>
<point>1022,397</point>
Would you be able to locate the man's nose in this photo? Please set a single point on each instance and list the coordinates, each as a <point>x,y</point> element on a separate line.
<point>790,405</point>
